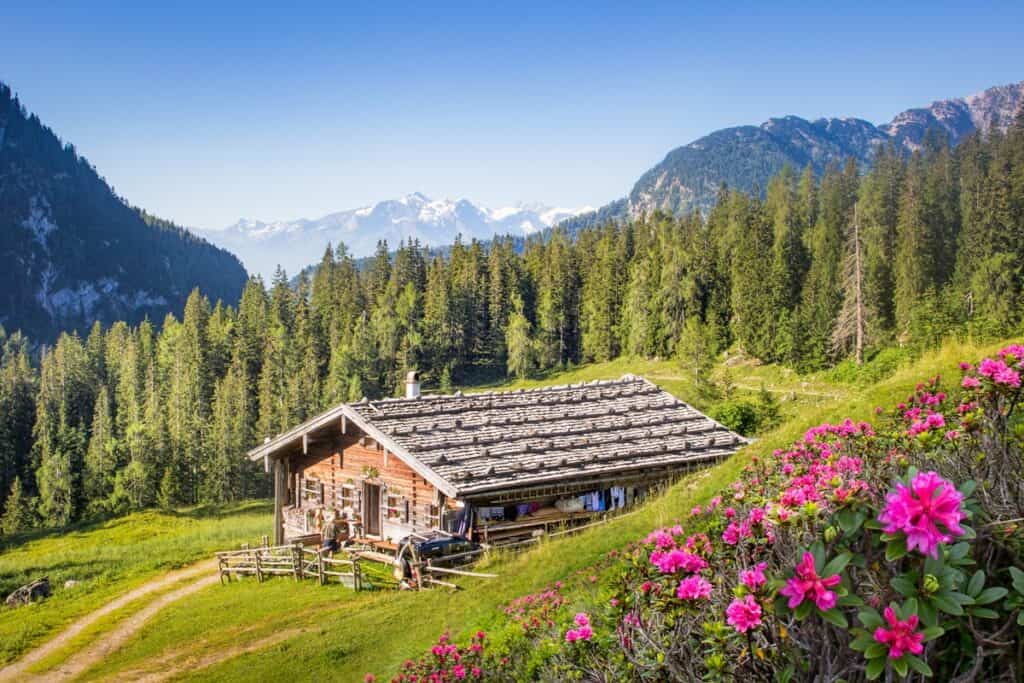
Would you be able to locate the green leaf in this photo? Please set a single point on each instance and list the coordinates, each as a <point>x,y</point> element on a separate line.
<point>1020,618</point>
<point>918,665</point>
<point>959,597</point>
<point>968,487</point>
<point>984,613</point>
<point>1018,580</point>
<point>990,595</point>
<point>876,650</point>
<point>804,609</point>
<point>904,585</point>
<point>875,668</point>
<point>900,666</point>
<point>850,601</point>
<point>836,565</point>
<point>835,617</point>
<point>969,533</point>
<point>818,551</point>
<point>948,606</point>
<point>929,617</point>
<point>870,618</point>
<point>976,583</point>
<point>895,549</point>
<point>932,632</point>
<point>959,551</point>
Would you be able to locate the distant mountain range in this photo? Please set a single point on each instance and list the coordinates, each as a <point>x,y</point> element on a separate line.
<point>746,157</point>
<point>74,252</point>
<point>298,243</point>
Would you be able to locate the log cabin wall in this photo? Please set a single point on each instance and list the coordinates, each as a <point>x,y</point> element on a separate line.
<point>332,475</point>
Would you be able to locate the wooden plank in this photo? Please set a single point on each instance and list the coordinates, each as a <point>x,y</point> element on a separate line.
<point>459,572</point>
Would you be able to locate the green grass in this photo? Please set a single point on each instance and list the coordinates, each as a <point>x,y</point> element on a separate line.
<point>108,558</point>
<point>332,633</point>
<point>347,635</point>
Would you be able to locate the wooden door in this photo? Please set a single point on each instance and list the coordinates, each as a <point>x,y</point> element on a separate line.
<point>371,509</point>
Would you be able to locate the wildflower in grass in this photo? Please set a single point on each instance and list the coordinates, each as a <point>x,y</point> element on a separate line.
<point>918,511</point>
<point>694,588</point>
<point>459,671</point>
<point>744,614</point>
<point>582,619</point>
<point>754,578</point>
<point>970,382</point>
<point>807,585</point>
<point>901,636</point>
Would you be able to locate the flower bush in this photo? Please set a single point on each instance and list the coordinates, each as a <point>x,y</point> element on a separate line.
<point>782,576</point>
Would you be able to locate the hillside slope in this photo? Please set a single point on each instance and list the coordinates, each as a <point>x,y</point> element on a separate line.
<point>282,629</point>
<point>74,252</point>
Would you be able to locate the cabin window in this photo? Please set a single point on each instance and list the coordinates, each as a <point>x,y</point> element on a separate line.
<point>434,519</point>
<point>393,507</point>
<point>313,489</point>
<point>347,496</point>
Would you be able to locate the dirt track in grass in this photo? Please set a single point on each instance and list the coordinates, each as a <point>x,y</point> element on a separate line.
<point>204,574</point>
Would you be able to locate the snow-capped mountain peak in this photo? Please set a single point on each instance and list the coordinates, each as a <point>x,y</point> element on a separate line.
<point>294,244</point>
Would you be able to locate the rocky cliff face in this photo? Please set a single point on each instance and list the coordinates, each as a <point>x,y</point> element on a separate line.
<point>74,252</point>
<point>746,157</point>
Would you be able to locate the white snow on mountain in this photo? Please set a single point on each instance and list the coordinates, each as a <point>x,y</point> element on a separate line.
<point>298,243</point>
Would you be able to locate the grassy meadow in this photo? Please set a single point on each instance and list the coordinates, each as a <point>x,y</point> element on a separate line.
<point>104,559</point>
<point>281,629</point>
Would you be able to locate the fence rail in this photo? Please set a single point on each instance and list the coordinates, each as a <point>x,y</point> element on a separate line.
<point>294,560</point>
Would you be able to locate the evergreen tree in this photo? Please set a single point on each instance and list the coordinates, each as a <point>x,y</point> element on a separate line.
<point>18,514</point>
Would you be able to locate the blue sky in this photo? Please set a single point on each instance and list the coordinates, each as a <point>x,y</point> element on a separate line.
<point>207,112</point>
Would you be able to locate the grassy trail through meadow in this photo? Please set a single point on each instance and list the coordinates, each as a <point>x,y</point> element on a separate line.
<point>196,577</point>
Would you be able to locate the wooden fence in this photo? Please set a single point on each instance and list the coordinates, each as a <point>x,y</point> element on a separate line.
<point>291,560</point>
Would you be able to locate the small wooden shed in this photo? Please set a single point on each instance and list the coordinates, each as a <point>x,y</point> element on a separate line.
<point>494,466</point>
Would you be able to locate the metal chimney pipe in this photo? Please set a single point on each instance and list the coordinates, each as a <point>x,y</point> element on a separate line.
<point>412,384</point>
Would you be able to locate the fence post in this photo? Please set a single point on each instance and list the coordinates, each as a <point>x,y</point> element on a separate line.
<point>320,567</point>
<point>297,561</point>
<point>259,568</point>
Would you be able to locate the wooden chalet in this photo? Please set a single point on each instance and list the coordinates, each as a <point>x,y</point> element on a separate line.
<point>495,466</point>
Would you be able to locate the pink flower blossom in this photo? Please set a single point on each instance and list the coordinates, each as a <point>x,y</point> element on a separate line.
<point>918,510</point>
<point>970,382</point>
<point>694,588</point>
<point>999,372</point>
<point>754,578</point>
<point>806,584</point>
<point>744,614</point>
<point>676,559</point>
<point>459,671</point>
<point>582,619</point>
<point>901,636</point>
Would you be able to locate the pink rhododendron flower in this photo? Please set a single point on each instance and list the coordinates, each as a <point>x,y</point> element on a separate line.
<point>806,584</point>
<point>918,511</point>
<point>676,559</point>
<point>754,578</point>
<point>970,382</point>
<point>1015,350</point>
<point>694,588</point>
<point>901,636</point>
<point>582,619</point>
<point>999,372</point>
<point>744,614</point>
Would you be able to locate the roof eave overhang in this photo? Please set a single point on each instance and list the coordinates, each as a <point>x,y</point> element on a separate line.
<point>439,482</point>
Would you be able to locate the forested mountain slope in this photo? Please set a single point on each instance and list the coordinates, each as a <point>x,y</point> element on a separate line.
<point>746,157</point>
<point>73,252</point>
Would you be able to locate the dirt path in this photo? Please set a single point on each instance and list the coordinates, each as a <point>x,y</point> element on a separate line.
<point>176,662</point>
<point>109,642</point>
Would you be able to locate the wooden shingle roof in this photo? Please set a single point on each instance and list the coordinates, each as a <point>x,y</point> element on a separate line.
<point>496,440</point>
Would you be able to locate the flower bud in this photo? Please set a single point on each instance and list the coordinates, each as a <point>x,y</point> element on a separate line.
<point>931,584</point>
<point>831,533</point>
